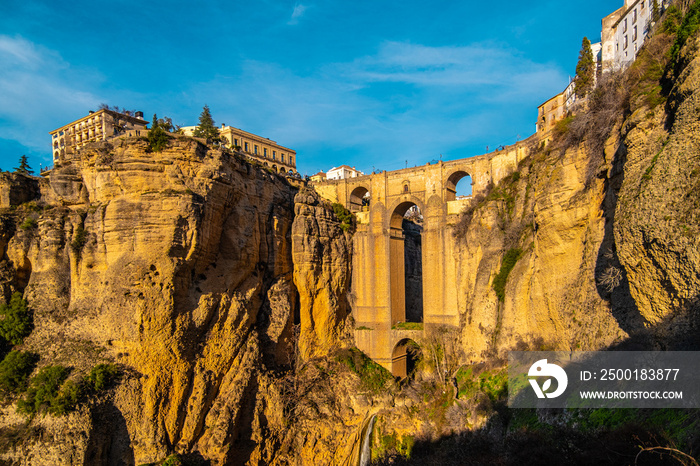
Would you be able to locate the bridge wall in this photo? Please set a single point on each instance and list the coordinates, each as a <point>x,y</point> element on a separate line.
<point>378,282</point>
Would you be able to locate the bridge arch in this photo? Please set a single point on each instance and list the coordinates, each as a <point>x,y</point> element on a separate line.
<point>398,209</point>
<point>453,180</point>
<point>404,357</point>
<point>405,265</point>
<point>358,198</point>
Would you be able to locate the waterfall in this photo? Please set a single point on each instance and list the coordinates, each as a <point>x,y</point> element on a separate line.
<point>365,454</point>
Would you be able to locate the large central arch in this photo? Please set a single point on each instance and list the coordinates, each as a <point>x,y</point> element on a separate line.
<point>405,257</point>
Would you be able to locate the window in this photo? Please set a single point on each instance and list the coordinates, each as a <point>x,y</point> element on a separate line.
<point>624,45</point>
<point>634,16</point>
<point>265,151</point>
<point>235,142</point>
<point>624,25</point>
<point>274,155</point>
<point>634,33</point>
<point>282,157</point>
<point>256,149</point>
<point>291,162</point>
<point>246,147</point>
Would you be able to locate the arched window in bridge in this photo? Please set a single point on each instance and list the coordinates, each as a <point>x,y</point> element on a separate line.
<point>359,199</point>
<point>458,186</point>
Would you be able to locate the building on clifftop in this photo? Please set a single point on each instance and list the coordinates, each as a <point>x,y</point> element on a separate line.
<point>342,172</point>
<point>97,126</point>
<point>266,151</point>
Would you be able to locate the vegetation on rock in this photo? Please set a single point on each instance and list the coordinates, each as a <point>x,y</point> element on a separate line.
<point>345,217</point>
<point>585,69</point>
<point>15,369</point>
<point>15,320</point>
<point>499,282</point>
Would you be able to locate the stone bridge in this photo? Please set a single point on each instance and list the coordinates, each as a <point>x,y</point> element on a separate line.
<point>390,308</point>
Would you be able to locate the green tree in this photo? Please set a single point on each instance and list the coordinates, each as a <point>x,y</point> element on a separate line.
<point>24,167</point>
<point>158,138</point>
<point>206,128</point>
<point>585,69</point>
<point>154,123</point>
<point>16,321</point>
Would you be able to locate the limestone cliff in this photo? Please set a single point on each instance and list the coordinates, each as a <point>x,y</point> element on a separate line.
<point>322,254</point>
<point>603,230</point>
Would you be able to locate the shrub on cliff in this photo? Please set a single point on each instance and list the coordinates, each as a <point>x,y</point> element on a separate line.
<point>688,28</point>
<point>44,392</point>
<point>15,370</point>
<point>345,217</point>
<point>101,376</point>
<point>499,282</point>
<point>158,138</point>
<point>15,320</point>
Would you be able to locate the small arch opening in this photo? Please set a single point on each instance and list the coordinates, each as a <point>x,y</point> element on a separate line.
<point>359,199</point>
<point>404,358</point>
<point>459,186</point>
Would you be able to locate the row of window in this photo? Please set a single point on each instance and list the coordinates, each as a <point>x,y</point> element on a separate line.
<point>246,148</point>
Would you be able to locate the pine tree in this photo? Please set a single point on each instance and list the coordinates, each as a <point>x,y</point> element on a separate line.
<point>206,128</point>
<point>585,69</point>
<point>24,167</point>
<point>154,123</point>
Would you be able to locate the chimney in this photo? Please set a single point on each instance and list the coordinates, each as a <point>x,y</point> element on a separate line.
<point>223,125</point>
<point>91,112</point>
<point>139,115</point>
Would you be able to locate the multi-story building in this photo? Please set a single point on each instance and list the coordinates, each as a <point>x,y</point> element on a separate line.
<point>342,172</point>
<point>266,151</point>
<point>97,126</point>
<point>550,112</point>
<point>624,31</point>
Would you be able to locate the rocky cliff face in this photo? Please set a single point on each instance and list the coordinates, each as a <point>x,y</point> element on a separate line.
<point>606,247</point>
<point>177,266</point>
<point>222,291</point>
<point>322,257</point>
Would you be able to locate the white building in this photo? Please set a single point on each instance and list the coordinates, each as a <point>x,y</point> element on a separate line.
<point>342,172</point>
<point>625,30</point>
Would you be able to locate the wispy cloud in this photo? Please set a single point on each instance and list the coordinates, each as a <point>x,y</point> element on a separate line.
<point>297,13</point>
<point>37,87</point>
<point>406,102</point>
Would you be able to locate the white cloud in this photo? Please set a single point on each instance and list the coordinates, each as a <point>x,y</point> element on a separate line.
<point>407,102</point>
<point>37,90</point>
<point>297,13</point>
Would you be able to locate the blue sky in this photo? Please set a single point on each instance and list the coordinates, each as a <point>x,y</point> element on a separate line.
<point>372,84</point>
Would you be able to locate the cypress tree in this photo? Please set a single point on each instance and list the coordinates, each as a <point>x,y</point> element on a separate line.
<point>585,69</point>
